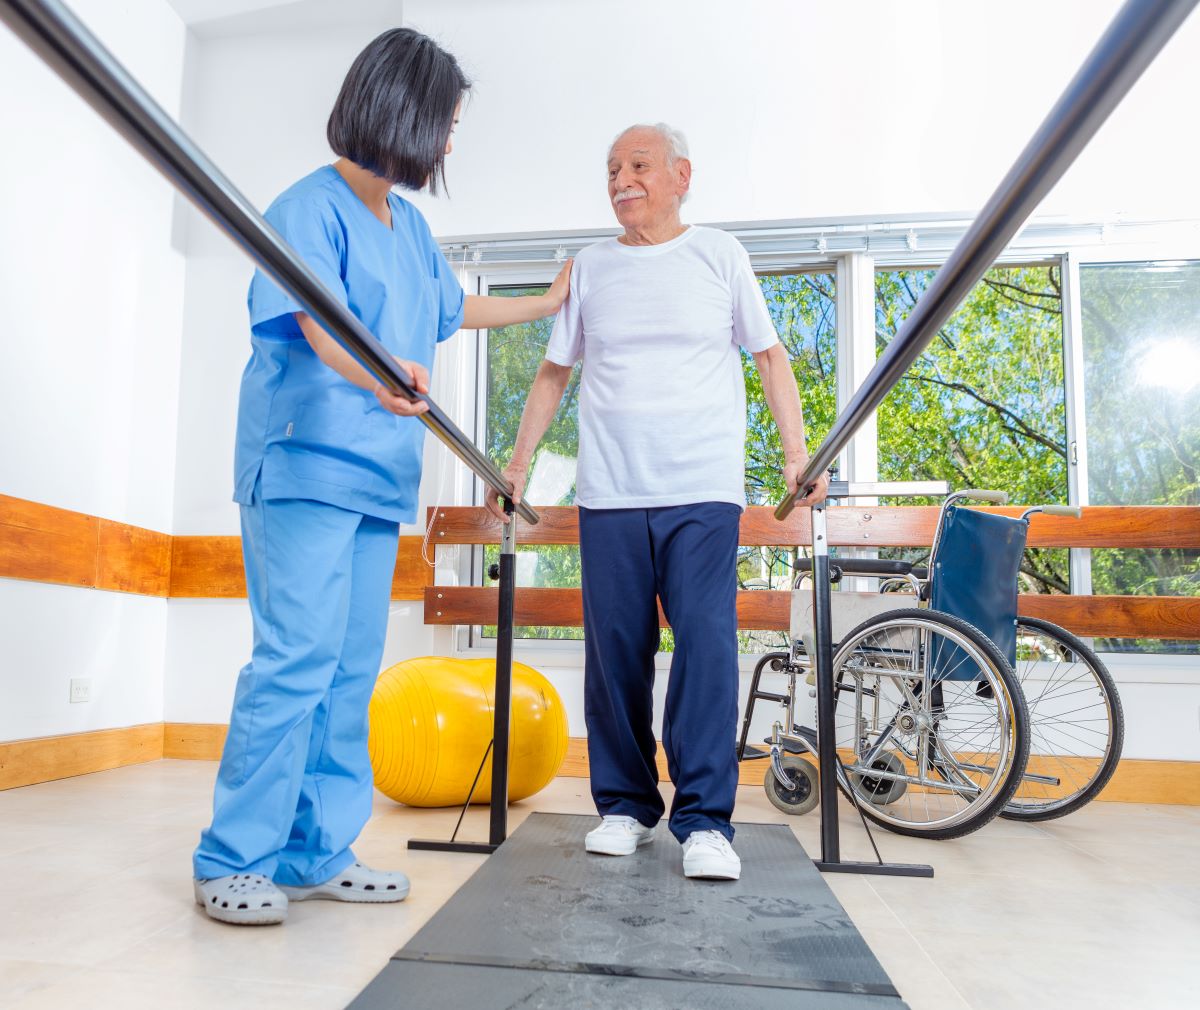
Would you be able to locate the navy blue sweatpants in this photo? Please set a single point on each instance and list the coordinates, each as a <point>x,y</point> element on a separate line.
<point>685,556</point>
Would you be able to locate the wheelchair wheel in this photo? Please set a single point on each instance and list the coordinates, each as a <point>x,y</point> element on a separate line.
<point>1076,725</point>
<point>806,794</point>
<point>926,701</point>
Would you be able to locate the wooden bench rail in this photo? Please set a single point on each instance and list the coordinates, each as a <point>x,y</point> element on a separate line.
<point>885,526</point>
<point>1173,617</point>
<point>1168,617</point>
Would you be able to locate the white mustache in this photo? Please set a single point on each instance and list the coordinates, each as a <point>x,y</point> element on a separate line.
<point>629,194</point>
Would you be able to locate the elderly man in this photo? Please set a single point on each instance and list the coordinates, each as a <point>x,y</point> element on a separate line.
<point>658,316</point>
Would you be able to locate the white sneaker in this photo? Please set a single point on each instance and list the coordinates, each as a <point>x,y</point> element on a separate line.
<point>618,836</point>
<point>709,854</point>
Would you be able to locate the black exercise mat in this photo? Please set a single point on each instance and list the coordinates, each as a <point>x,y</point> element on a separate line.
<point>544,924</point>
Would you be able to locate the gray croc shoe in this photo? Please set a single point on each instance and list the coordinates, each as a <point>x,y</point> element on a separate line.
<point>245,899</point>
<point>354,883</point>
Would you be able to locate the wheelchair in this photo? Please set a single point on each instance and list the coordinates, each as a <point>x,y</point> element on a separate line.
<point>949,709</point>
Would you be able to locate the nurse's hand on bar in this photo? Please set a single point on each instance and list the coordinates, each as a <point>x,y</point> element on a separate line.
<point>515,474</point>
<point>418,377</point>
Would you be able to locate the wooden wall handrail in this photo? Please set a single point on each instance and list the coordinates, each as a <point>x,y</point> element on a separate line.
<point>1172,526</point>
<point>47,544</point>
<point>1172,617</point>
<point>41,543</point>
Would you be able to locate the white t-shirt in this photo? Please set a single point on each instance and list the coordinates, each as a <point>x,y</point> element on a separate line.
<point>662,405</point>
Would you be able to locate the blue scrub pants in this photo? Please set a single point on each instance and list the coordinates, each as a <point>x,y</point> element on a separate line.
<point>295,785</point>
<point>685,556</point>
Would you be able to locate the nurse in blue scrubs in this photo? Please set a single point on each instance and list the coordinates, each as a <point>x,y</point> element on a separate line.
<point>327,466</point>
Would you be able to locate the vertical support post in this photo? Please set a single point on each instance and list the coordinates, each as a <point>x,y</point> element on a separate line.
<point>823,667</point>
<point>831,847</point>
<point>1077,448</point>
<point>502,712</point>
<point>504,650</point>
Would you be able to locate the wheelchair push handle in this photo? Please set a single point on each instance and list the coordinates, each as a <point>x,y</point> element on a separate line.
<point>978,494</point>
<point>1068,511</point>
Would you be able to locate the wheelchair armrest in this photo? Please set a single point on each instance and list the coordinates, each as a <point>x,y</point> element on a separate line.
<point>867,566</point>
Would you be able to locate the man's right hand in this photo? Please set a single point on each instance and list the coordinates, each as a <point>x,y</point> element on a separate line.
<point>515,474</point>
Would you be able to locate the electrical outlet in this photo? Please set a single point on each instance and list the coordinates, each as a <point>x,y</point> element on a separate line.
<point>81,689</point>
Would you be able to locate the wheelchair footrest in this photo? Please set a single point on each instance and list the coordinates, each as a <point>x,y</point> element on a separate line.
<point>789,746</point>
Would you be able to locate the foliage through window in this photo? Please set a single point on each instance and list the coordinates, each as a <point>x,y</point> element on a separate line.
<point>1141,341</point>
<point>984,406</point>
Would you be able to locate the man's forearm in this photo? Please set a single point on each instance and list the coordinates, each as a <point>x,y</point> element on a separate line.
<point>544,397</point>
<point>783,399</point>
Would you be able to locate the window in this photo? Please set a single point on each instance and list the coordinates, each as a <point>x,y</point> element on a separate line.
<point>985,404</point>
<point>1141,342</point>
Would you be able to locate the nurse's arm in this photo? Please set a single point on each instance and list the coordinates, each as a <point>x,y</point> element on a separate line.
<point>482,312</point>
<point>343,362</point>
<point>545,395</point>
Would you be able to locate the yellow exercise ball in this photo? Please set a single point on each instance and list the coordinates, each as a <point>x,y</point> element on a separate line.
<point>431,720</point>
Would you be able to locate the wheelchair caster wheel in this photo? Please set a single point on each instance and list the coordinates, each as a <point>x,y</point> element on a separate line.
<point>880,791</point>
<point>804,796</point>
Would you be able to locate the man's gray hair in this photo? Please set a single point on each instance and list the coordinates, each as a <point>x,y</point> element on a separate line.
<point>677,146</point>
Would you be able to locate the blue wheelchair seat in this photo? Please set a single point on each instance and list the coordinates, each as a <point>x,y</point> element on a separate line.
<point>975,579</point>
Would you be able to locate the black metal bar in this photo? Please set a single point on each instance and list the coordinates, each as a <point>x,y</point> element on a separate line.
<point>503,709</point>
<point>471,793</point>
<point>453,845</point>
<point>1136,35</point>
<point>823,670</point>
<point>827,755</point>
<point>878,869</point>
<point>502,712</point>
<point>435,845</point>
<point>66,45</point>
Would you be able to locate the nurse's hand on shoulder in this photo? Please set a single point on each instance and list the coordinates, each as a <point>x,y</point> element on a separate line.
<point>418,377</point>
<point>558,291</point>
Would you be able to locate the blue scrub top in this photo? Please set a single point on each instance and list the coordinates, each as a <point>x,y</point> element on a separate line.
<point>303,431</point>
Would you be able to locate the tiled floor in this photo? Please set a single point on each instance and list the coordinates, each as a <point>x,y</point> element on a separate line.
<point>1101,909</point>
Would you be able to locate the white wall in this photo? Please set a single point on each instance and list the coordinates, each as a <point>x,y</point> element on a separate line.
<point>793,109</point>
<point>93,297</point>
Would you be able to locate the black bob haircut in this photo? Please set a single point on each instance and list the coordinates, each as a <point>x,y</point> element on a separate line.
<point>396,108</point>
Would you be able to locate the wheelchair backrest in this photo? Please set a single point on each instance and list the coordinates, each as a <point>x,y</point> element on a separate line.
<point>974,575</point>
